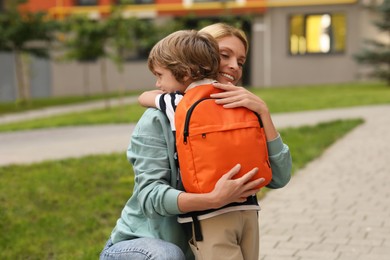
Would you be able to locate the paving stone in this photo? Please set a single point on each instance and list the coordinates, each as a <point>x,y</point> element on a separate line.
<point>339,203</point>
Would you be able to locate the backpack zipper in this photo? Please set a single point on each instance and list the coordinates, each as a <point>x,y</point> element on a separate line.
<point>188,117</point>
<point>191,110</point>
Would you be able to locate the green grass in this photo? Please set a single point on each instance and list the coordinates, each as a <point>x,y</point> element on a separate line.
<point>113,115</point>
<point>277,99</point>
<point>66,209</point>
<point>15,107</point>
<point>324,96</point>
<point>61,209</point>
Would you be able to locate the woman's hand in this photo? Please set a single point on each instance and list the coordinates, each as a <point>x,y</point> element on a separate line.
<point>234,96</point>
<point>228,190</point>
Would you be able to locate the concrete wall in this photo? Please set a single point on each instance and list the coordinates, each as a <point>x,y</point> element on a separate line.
<point>40,78</point>
<point>75,78</point>
<point>37,76</point>
<point>53,78</point>
<point>272,65</point>
<point>7,77</point>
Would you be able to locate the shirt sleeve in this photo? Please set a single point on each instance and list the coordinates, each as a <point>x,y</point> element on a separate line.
<point>167,103</point>
<point>281,163</point>
<point>157,101</point>
<point>149,153</point>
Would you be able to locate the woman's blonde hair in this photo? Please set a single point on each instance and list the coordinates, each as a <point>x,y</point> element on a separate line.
<point>222,30</point>
<point>187,53</point>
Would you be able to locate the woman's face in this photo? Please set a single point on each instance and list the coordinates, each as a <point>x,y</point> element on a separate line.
<point>233,57</point>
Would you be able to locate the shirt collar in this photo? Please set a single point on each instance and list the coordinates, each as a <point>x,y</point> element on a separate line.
<point>200,82</point>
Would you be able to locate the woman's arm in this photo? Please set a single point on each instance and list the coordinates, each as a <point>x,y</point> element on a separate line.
<point>147,99</point>
<point>281,163</point>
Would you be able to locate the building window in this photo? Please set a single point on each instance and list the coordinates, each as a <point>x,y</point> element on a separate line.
<point>317,33</point>
<point>87,2</point>
<point>222,1</point>
<point>132,2</point>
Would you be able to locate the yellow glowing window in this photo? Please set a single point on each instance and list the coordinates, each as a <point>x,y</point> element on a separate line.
<point>317,33</point>
<point>87,2</point>
<point>132,2</point>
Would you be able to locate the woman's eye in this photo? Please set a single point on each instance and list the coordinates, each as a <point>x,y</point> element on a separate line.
<point>241,63</point>
<point>224,55</point>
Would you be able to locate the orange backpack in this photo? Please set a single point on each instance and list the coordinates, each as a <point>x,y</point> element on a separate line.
<point>211,140</point>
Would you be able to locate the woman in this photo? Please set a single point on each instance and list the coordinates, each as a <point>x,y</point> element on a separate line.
<point>148,227</point>
<point>233,48</point>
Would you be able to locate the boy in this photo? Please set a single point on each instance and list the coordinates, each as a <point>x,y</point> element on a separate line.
<point>178,61</point>
<point>181,61</point>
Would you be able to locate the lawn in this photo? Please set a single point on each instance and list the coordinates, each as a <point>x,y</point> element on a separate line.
<point>38,103</point>
<point>278,100</point>
<point>66,209</point>
<point>300,98</point>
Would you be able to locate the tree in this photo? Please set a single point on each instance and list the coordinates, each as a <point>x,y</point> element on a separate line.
<point>85,41</point>
<point>28,33</point>
<point>133,36</point>
<point>377,53</point>
<point>121,40</point>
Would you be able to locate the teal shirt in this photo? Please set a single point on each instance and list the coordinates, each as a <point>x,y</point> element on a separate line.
<point>152,209</point>
<point>281,163</point>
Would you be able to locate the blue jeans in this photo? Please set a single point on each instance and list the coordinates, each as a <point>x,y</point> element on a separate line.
<point>142,249</point>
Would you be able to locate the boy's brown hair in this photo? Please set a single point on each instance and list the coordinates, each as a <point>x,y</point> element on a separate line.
<point>187,53</point>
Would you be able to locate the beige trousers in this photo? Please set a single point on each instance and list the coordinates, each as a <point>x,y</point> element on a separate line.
<point>229,236</point>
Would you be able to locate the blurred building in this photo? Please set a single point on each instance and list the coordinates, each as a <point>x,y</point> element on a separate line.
<point>292,42</point>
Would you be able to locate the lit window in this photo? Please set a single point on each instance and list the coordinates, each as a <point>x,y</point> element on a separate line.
<point>317,33</point>
<point>221,1</point>
<point>87,2</point>
<point>131,2</point>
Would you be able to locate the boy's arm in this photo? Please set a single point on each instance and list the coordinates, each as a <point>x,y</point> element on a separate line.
<point>148,98</point>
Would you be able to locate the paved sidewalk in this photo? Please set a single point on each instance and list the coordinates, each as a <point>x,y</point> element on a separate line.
<point>65,142</point>
<point>58,110</point>
<point>336,208</point>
